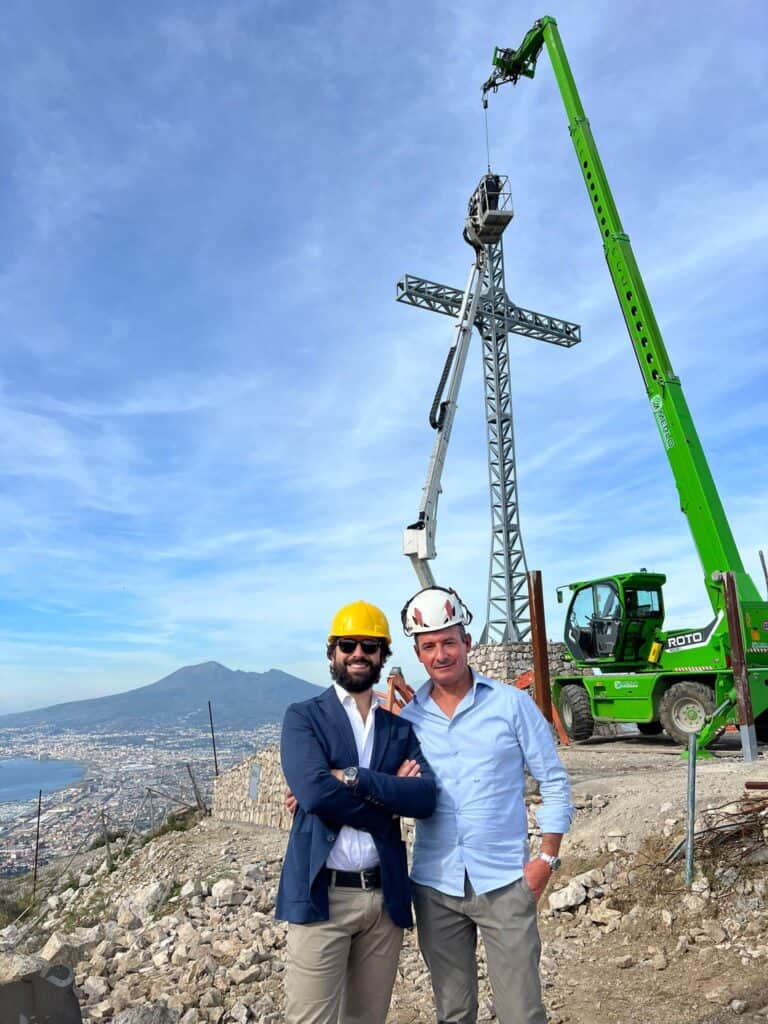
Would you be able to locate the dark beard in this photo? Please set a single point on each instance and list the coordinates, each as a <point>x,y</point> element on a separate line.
<point>354,684</point>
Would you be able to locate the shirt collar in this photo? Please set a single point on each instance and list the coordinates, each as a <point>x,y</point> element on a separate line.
<point>347,699</point>
<point>424,691</point>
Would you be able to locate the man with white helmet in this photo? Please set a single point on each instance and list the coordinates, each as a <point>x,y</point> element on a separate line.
<point>470,861</point>
<point>353,769</point>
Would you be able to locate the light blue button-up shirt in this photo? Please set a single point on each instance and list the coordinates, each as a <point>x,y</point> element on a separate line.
<point>480,824</point>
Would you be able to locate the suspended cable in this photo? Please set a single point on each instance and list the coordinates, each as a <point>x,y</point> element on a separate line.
<point>487,143</point>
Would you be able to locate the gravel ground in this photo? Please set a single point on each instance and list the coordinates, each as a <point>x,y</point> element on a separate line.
<point>636,945</point>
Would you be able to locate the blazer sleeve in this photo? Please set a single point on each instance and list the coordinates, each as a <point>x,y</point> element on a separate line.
<point>306,770</point>
<point>411,798</point>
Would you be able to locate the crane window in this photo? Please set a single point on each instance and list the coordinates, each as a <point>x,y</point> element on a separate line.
<point>607,603</point>
<point>642,604</point>
<point>583,609</point>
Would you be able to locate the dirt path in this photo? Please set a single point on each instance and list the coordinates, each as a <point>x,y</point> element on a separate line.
<point>667,957</point>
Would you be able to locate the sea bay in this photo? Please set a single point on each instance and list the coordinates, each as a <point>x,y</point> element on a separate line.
<point>21,778</point>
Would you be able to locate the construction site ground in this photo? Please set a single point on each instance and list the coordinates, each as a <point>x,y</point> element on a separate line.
<point>660,966</point>
<point>635,945</point>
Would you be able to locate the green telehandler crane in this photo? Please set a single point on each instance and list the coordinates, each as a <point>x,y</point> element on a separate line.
<point>680,681</point>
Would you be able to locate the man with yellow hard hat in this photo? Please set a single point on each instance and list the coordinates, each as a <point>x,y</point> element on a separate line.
<point>353,768</point>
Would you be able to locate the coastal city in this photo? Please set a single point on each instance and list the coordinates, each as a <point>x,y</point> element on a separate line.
<point>129,782</point>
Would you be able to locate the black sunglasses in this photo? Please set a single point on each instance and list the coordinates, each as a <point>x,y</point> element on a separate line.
<point>366,646</point>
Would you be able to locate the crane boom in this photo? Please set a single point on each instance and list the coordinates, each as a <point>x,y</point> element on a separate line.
<point>699,499</point>
<point>419,537</point>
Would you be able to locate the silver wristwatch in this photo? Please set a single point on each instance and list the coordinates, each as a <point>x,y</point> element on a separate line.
<point>350,776</point>
<point>548,858</point>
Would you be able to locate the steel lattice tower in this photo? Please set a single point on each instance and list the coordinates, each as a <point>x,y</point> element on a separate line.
<point>507,613</point>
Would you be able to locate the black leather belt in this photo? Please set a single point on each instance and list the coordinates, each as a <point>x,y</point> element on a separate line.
<point>368,879</point>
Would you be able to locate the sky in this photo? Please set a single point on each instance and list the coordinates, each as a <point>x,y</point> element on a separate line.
<point>213,413</point>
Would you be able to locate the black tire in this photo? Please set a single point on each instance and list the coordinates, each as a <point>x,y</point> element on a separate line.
<point>761,727</point>
<point>575,712</point>
<point>650,728</point>
<point>683,709</point>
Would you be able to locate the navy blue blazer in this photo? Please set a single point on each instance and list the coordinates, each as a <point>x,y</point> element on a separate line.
<point>317,736</point>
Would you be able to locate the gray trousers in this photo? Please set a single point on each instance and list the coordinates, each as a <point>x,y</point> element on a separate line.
<point>447,927</point>
<point>341,971</point>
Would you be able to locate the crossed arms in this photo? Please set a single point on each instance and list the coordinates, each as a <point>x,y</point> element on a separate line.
<point>376,797</point>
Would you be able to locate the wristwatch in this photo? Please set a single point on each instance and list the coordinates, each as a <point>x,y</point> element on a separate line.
<point>548,858</point>
<point>351,776</point>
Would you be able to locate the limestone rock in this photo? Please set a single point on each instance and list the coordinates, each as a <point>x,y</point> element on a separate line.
<point>571,896</point>
<point>590,879</point>
<point>693,903</point>
<point>157,1013</point>
<point>225,893</point>
<point>14,966</point>
<point>721,994</point>
<point>602,913</point>
<point>245,976</point>
<point>149,897</point>
<point>252,875</point>
<point>714,930</point>
<point>95,987</point>
<point>623,962</point>
<point>126,918</point>
<point>63,948</point>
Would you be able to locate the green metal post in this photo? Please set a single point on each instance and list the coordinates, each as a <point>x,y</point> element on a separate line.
<point>690,817</point>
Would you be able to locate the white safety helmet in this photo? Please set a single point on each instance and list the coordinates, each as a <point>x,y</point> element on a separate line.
<point>434,608</point>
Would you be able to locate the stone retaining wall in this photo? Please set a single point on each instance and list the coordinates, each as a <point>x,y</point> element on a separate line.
<point>253,792</point>
<point>508,661</point>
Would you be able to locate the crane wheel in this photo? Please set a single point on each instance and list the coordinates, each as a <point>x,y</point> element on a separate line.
<point>575,712</point>
<point>684,709</point>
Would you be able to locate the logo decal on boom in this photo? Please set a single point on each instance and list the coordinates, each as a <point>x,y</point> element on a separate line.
<point>661,422</point>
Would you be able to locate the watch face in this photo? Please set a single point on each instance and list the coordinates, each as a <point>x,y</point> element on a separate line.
<point>350,775</point>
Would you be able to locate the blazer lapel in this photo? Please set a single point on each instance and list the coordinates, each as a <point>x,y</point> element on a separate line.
<point>382,727</point>
<point>340,724</point>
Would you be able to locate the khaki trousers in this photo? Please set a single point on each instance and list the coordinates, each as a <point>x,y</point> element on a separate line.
<point>447,927</point>
<point>341,971</point>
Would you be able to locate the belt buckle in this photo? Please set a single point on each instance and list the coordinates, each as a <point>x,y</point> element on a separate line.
<point>366,879</point>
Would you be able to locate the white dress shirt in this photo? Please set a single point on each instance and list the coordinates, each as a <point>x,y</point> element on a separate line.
<point>354,850</point>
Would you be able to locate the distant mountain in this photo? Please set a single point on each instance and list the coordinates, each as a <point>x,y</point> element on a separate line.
<point>241,700</point>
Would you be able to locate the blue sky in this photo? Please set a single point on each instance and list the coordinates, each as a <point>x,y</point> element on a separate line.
<point>213,414</point>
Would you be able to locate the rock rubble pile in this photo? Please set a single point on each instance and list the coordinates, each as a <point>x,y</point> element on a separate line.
<point>183,931</point>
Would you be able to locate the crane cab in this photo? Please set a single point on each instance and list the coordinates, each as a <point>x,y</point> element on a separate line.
<point>489,210</point>
<point>611,623</point>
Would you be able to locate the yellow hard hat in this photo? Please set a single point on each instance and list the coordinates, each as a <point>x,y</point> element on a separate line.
<point>360,619</point>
